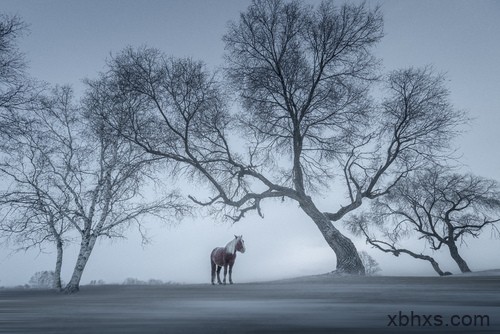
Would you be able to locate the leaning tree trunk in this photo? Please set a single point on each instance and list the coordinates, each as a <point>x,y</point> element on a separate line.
<point>348,260</point>
<point>436,267</point>
<point>458,259</point>
<point>433,262</point>
<point>86,247</point>
<point>57,272</point>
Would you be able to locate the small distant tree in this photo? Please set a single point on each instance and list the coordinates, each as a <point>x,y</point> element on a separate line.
<point>153,281</point>
<point>371,265</point>
<point>436,205</point>
<point>133,281</point>
<point>43,279</point>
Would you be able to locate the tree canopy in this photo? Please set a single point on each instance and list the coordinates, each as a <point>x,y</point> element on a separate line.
<point>302,77</point>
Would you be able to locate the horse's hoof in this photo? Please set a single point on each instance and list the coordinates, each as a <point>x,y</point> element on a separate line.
<point>230,282</point>
<point>213,283</point>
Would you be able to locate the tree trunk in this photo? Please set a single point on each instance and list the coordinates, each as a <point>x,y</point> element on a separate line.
<point>57,272</point>
<point>458,259</point>
<point>348,260</point>
<point>86,247</point>
<point>433,262</point>
<point>436,267</point>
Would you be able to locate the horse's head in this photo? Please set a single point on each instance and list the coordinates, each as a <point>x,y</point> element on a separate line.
<point>240,244</point>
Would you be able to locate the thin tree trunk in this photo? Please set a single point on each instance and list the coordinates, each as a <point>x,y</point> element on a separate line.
<point>433,262</point>
<point>86,247</point>
<point>435,265</point>
<point>458,259</point>
<point>348,260</point>
<point>57,272</point>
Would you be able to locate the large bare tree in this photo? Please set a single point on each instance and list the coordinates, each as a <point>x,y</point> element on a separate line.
<point>65,171</point>
<point>436,205</point>
<point>302,75</point>
<point>106,184</point>
<point>33,211</point>
<point>20,202</point>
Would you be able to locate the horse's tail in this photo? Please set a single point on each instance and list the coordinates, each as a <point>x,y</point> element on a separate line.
<point>213,265</point>
<point>212,255</point>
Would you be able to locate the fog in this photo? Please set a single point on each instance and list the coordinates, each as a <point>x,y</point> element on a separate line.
<point>70,40</point>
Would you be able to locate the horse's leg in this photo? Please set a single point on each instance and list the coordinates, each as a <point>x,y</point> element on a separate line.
<point>225,273</point>
<point>213,271</point>
<point>231,273</point>
<point>218,274</point>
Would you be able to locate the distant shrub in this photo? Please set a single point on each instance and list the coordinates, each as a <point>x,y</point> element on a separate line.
<point>99,282</point>
<point>155,282</point>
<point>371,265</point>
<point>43,279</point>
<point>133,281</point>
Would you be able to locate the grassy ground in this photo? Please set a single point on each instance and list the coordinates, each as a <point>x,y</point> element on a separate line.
<point>320,304</point>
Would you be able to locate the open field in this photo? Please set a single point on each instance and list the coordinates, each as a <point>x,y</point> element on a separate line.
<point>319,304</point>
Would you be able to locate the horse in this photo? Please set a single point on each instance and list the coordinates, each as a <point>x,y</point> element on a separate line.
<point>225,257</point>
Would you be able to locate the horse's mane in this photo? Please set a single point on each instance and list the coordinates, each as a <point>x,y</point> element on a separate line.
<point>231,246</point>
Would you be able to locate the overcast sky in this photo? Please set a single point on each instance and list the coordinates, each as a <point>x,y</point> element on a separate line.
<point>70,40</point>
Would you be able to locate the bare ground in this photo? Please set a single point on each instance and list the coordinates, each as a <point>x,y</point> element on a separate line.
<point>319,304</point>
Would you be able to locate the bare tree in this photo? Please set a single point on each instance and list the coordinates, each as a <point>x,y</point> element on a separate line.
<point>29,222</point>
<point>17,89</point>
<point>72,173</point>
<point>360,225</point>
<point>303,76</point>
<point>106,188</point>
<point>371,265</point>
<point>439,206</point>
<point>43,279</point>
<point>32,209</point>
<point>12,64</point>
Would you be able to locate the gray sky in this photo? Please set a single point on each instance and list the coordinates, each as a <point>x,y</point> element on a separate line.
<point>70,40</point>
